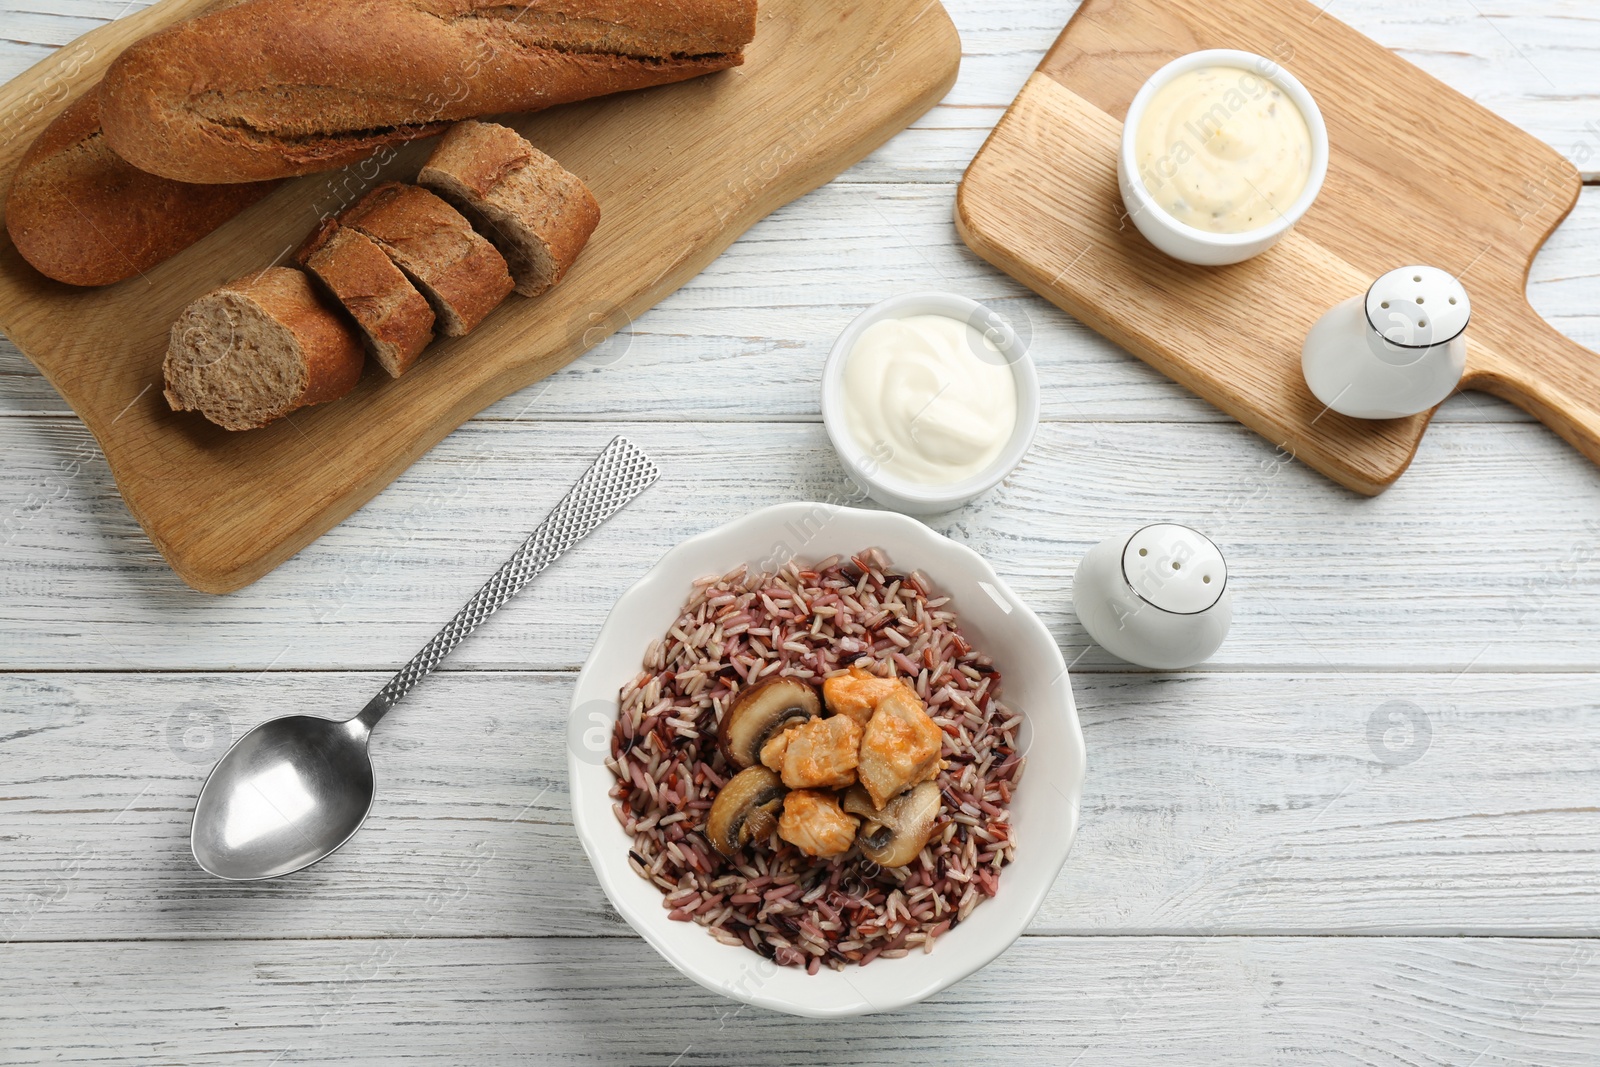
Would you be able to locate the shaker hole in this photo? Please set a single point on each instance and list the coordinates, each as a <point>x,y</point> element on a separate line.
<point>1416,277</point>
<point>1207,579</point>
<point>1176,565</point>
<point>1452,300</point>
<point>1385,304</point>
<point>1144,552</point>
<point>1419,299</point>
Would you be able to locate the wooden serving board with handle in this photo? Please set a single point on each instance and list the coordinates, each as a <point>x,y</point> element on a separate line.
<point>680,171</point>
<point>1418,174</point>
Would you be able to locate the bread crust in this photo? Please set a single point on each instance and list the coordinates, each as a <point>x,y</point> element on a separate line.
<point>516,195</point>
<point>334,356</point>
<point>396,319</point>
<point>329,349</point>
<point>479,155</point>
<point>460,272</point>
<point>275,88</point>
<point>81,214</point>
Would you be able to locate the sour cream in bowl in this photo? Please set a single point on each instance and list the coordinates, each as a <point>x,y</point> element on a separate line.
<point>930,400</point>
<point>1222,152</point>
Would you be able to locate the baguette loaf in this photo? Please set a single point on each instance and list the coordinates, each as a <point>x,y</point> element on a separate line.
<point>258,348</point>
<point>82,215</point>
<point>537,213</point>
<point>274,88</point>
<point>460,273</point>
<point>395,318</point>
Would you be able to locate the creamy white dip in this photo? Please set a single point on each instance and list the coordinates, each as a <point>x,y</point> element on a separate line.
<point>1223,149</point>
<point>930,397</point>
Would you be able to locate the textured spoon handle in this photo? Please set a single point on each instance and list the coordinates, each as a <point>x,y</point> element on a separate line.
<point>621,473</point>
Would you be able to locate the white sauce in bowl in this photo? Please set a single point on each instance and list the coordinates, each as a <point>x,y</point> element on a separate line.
<point>1223,149</point>
<point>921,400</point>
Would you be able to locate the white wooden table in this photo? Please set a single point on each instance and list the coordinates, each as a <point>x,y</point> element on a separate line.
<point>1367,832</point>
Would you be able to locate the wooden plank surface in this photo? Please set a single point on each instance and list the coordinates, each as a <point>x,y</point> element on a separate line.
<point>588,1001</point>
<point>1253,801</point>
<point>680,171</point>
<point>780,294</point>
<point>1209,807</point>
<point>1490,562</point>
<point>1528,61</point>
<point>1034,203</point>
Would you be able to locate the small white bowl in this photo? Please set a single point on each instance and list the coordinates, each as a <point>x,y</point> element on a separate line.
<point>1044,808</point>
<point>915,498</point>
<point>1190,243</point>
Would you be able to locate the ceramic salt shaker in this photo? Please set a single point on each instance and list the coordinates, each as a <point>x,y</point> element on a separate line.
<point>1396,351</point>
<point>1157,597</point>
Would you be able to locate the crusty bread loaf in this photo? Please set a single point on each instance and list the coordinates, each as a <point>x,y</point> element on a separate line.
<point>396,319</point>
<point>273,88</point>
<point>258,348</point>
<point>82,215</point>
<point>460,273</point>
<point>536,212</point>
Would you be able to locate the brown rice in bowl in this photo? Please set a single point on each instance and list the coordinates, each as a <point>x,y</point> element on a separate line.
<point>809,622</point>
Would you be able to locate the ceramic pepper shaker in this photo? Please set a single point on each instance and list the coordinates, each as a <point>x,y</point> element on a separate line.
<point>1157,596</point>
<point>1396,351</point>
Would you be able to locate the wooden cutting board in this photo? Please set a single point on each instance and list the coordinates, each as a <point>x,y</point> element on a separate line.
<point>680,171</point>
<point>1418,174</point>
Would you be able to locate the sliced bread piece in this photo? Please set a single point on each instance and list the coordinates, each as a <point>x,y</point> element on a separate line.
<point>537,213</point>
<point>258,348</point>
<point>396,319</point>
<point>460,273</point>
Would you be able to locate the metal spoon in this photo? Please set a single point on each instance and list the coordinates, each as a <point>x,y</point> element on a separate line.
<point>292,790</point>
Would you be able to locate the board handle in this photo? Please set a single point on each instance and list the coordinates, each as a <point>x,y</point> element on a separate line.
<point>1548,375</point>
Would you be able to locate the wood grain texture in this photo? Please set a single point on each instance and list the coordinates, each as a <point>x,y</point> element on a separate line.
<point>1206,787</point>
<point>1529,61</point>
<point>1082,1001</point>
<point>1399,803</point>
<point>680,171</point>
<point>1491,562</point>
<point>1040,201</point>
<point>780,294</point>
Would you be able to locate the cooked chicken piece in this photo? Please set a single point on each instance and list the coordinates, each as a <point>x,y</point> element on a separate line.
<point>857,693</point>
<point>818,754</point>
<point>814,823</point>
<point>899,748</point>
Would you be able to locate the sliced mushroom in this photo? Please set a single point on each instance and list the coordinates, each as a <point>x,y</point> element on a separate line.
<point>894,836</point>
<point>760,713</point>
<point>746,810</point>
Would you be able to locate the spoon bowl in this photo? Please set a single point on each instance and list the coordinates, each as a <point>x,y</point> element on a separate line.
<point>286,795</point>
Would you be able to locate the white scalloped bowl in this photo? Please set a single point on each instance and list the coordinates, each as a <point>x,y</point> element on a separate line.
<point>1044,809</point>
